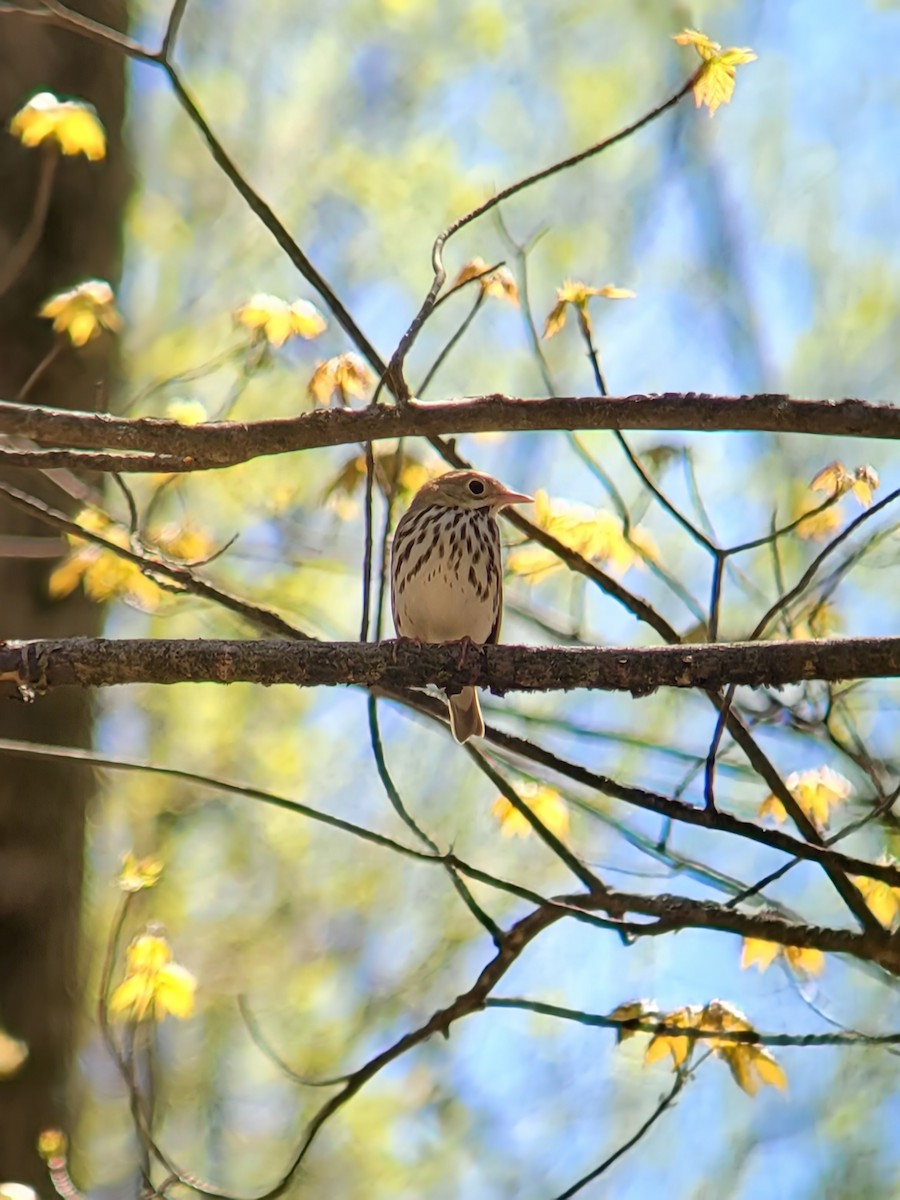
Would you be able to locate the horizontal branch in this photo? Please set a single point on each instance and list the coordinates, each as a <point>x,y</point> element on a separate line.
<point>102,662</point>
<point>152,444</point>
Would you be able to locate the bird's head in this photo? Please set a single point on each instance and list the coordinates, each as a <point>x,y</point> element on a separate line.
<point>469,490</point>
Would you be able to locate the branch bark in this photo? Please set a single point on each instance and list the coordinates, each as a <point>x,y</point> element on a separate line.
<point>40,665</point>
<point>151,444</point>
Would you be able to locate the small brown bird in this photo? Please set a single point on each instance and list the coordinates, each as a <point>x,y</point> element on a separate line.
<point>446,576</point>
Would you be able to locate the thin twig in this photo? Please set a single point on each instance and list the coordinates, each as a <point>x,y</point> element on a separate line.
<point>482,917</point>
<point>30,237</point>
<point>513,189</point>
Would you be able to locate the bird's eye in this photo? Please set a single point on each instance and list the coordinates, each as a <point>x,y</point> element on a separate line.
<point>476,487</point>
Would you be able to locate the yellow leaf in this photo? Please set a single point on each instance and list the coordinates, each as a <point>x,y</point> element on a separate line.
<point>175,992</point>
<point>546,804</point>
<point>633,1010</point>
<point>65,578</point>
<point>753,1066</point>
<point>139,874</point>
<point>864,484</point>
<point>578,294</point>
<point>595,535</point>
<point>816,791</point>
<point>473,269</point>
<point>820,526</point>
<point>72,124</point>
<point>555,320</point>
<point>186,412</point>
<point>104,574</point>
<point>610,292</point>
<point>501,285</point>
<point>352,377</point>
<point>498,283</point>
<point>720,1015</point>
<point>805,961</point>
<point>345,375</point>
<point>184,542</point>
<point>83,311</point>
<point>715,83</point>
<point>834,480</point>
<point>706,48</point>
<point>274,319</point>
<point>762,954</point>
<point>672,1043</point>
<point>882,899</point>
<point>153,985</point>
<point>756,952</point>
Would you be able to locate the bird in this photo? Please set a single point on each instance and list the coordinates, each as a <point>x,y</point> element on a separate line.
<point>446,575</point>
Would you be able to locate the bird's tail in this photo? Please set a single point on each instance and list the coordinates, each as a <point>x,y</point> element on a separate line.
<point>465,715</point>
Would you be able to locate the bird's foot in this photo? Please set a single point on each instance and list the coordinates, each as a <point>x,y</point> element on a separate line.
<point>464,645</point>
<point>404,641</point>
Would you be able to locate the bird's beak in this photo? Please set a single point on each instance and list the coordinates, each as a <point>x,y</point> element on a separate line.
<point>505,498</point>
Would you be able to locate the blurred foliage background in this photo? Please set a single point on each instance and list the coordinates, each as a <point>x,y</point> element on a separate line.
<point>762,247</point>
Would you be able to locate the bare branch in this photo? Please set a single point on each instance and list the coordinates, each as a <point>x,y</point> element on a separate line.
<point>169,446</point>
<point>104,662</point>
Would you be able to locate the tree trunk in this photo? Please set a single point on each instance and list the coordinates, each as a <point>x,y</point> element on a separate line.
<point>42,805</point>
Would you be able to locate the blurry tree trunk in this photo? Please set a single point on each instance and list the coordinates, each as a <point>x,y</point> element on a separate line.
<point>42,805</point>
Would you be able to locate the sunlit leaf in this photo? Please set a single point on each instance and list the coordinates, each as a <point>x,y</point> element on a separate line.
<point>83,312</point>
<point>276,320</point>
<point>72,124</point>
<point>556,319</point>
<point>344,376</point>
<point>865,482</point>
<point>633,1010</point>
<point>705,47</point>
<point>820,525</point>
<point>498,283</point>
<point>103,573</point>
<point>154,986</point>
<point>805,961</point>
<point>883,900</point>
<point>545,802</point>
<point>834,480</point>
<point>578,294</point>
<point>186,412</point>
<point>138,874</point>
<point>816,791</point>
<point>760,953</point>
<point>596,535</point>
<point>715,83</point>
<point>677,1046</point>
<point>752,1067</point>
<point>184,542</point>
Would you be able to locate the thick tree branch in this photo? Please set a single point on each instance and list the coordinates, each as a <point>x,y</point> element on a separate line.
<point>164,445</point>
<point>104,662</point>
